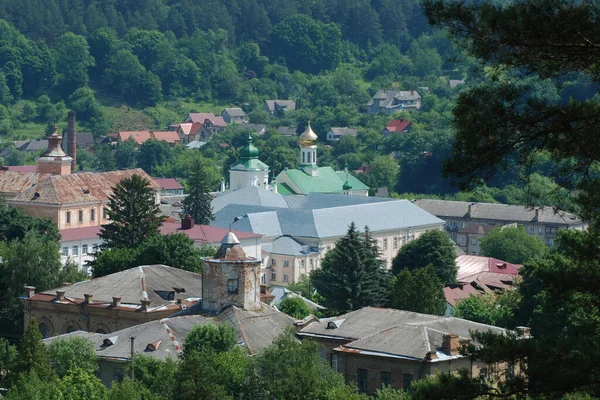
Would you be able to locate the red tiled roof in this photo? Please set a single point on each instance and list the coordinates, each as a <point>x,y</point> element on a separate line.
<point>167,136</point>
<point>454,293</point>
<point>201,117</point>
<point>139,136</point>
<point>397,125</point>
<point>204,233</point>
<point>168,183</point>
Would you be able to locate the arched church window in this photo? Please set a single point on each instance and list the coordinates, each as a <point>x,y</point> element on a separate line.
<point>232,283</point>
<point>45,330</point>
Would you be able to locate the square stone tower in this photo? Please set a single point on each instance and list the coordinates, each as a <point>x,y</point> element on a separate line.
<point>230,278</point>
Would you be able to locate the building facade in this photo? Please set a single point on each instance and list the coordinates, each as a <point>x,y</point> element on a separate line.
<point>248,170</point>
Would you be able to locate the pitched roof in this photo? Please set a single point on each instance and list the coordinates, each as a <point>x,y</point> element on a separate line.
<point>234,112</point>
<point>204,233</point>
<point>469,266</point>
<point>168,183</point>
<point>326,222</point>
<point>218,121</point>
<point>19,168</point>
<point>139,136</point>
<point>195,144</point>
<point>186,127</point>
<point>200,117</point>
<point>500,212</point>
<point>135,284</point>
<point>272,105</point>
<point>166,136</point>
<point>13,182</point>
<point>35,145</point>
<point>75,188</point>
<point>393,98</point>
<point>327,181</point>
<point>250,196</point>
<point>287,130</point>
<point>286,245</point>
<point>389,332</point>
<point>85,138</point>
<point>258,128</point>
<point>397,125</point>
<point>344,131</point>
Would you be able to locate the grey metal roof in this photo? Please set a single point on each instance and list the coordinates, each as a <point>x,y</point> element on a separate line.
<point>250,196</point>
<point>234,112</point>
<point>286,245</point>
<point>500,212</point>
<point>313,201</point>
<point>394,332</point>
<point>280,293</point>
<point>258,128</point>
<point>387,97</point>
<point>135,284</point>
<point>326,222</point>
<point>343,131</point>
<point>195,144</point>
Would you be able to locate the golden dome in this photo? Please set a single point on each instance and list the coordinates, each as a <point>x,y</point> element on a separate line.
<point>308,138</point>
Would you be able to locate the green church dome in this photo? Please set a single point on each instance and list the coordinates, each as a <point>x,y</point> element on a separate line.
<point>249,151</point>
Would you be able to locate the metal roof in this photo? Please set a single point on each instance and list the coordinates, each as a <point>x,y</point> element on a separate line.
<point>327,180</point>
<point>250,196</point>
<point>234,112</point>
<point>469,265</point>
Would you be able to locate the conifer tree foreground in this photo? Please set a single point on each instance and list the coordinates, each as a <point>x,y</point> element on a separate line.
<point>133,214</point>
<point>350,276</point>
<point>198,202</point>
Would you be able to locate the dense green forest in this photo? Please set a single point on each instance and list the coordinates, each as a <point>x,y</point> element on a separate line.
<point>126,65</point>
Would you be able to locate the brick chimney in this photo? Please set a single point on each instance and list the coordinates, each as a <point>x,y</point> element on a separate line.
<point>72,140</point>
<point>29,291</point>
<point>88,298</point>
<point>60,295</point>
<point>145,304</point>
<point>187,222</point>
<point>116,301</point>
<point>451,344</point>
<point>538,213</point>
<point>471,209</point>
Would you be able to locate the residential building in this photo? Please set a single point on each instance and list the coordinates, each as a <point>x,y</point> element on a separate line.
<point>167,136</point>
<point>33,146</point>
<point>139,137</point>
<point>477,276</point>
<point>169,186</point>
<point>195,144</point>
<point>336,133</point>
<point>210,127</point>
<point>234,115</point>
<point>85,141</point>
<point>455,82</point>
<point>543,222</point>
<point>248,170</point>
<point>393,101</point>
<point>259,129</point>
<point>187,131</point>
<point>113,302</point>
<point>274,107</point>
<point>203,126</point>
<point>373,347</point>
<point>468,236</point>
<point>288,260</point>
<point>287,131</point>
<point>310,178</point>
<point>396,126</point>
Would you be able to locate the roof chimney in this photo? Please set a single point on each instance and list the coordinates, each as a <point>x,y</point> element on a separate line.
<point>72,142</point>
<point>451,344</point>
<point>187,222</point>
<point>145,304</point>
<point>60,295</point>
<point>116,301</point>
<point>29,291</point>
<point>471,209</point>
<point>88,298</point>
<point>538,213</point>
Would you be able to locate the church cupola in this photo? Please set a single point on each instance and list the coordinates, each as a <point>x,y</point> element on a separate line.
<point>248,170</point>
<point>54,160</point>
<point>308,151</point>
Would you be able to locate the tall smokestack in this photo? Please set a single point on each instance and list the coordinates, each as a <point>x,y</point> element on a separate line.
<point>72,143</point>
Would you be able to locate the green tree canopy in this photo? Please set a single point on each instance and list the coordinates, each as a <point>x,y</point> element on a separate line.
<point>498,309</point>
<point>210,337</point>
<point>152,153</point>
<point>197,204</point>
<point>350,275</point>
<point>33,354</point>
<point>294,307</point>
<point>73,353</point>
<point>434,248</point>
<point>513,245</point>
<point>133,214</point>
<point>418,290</point>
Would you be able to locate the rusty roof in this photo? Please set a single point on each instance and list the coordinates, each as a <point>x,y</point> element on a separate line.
<point>15,181</point>
<point>167,136</point>
<point>76,188</point>
<point>139,136</point>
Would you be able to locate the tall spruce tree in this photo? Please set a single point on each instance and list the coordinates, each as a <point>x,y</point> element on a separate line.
<point>350,274</point>
<point>33,354</point>
<point>198,202</point>
<point>133,213</point>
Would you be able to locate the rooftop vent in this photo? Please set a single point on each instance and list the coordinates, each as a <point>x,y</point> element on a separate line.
<point>335,324</point>
<point>153,346</point>
<point>109,341</point>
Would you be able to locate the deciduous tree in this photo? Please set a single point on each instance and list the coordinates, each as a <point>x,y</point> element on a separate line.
<point>419,290</point>
<point>513,245</point>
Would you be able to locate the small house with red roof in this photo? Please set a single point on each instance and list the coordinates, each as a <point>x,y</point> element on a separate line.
<point>396,126</point>
<point>139,136</point>
<point>170,186</point>
<point>167,136</point>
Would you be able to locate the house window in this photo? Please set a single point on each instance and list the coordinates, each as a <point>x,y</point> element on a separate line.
<point>452,224</point>
<point>232,283</point>
<point>285,278</point>
<point>44,330</point>
<point>80,216</point>
<point>334,362</point>
<point>302,263</point>
<point>385,244</point>
<point>92,214</point>
<point>68,217</point>
<point>262,279</point>
<point>407,382</point>
<point>462,240</point>
<point>386,378</point>
<point>483,373</point>
<point>474,241</point>
<point>286,263</point>
<point>118,374</point>
<point>550,242</point>
<point>303,162</point>
<point>462,224</point>
<point>95,247</point>
<point>273,276</point>
<point>75,250</point>
<point>395,243</point>
<point>65,251</point>
<point>532,229</point>
<point>105,213</point>
<point>84,269</point>
<point>363,377</point>
<point>273,262</point>
<point>312,263</point>
<point>84,249</point>
<point>540,230</point>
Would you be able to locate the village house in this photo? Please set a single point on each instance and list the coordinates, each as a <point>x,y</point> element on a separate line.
<point>393,101</point>
<point>139,137</point>
<point>542,222</point>
<point>396,126</point>
<point>169,186</point>
<point>373,347</point>
<point>336,133</point>
<point>275,107</point>
<point>287,131</point>
<point>170,137</point>
<point>234,115</point>
<point>258,129</point>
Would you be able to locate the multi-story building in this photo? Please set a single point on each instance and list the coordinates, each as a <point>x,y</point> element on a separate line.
<point>464,218</point>
<point>393,101</point>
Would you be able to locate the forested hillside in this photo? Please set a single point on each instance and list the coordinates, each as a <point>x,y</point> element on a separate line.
<point>127,65</point>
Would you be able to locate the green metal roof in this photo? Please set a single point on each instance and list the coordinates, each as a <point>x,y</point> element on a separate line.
<point>249,164</point>
<point>327,181</point>
<point>284,189</point>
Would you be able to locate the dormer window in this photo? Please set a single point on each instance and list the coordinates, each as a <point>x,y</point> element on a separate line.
<point>166,294</point>
<point>232,283</point>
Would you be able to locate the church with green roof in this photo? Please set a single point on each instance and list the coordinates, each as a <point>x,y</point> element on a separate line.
<point>310,178</point>
<point>248,170</point>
